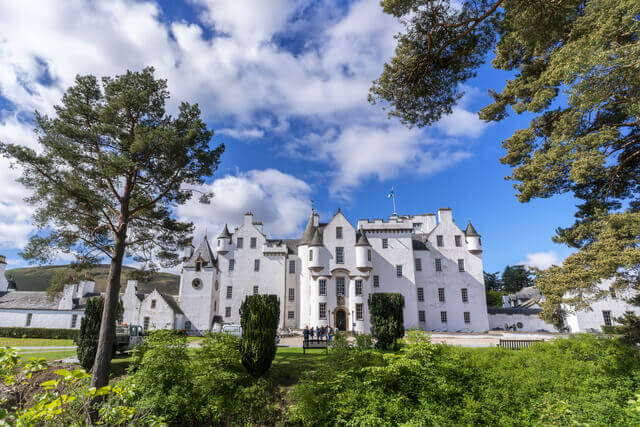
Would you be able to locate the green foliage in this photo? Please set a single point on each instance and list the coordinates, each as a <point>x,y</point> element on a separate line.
<point>575,72</point>
<point>64,277</point>
<point>89,332</point>
<point>14,332</point>
<point>163,381</point>
<point>492,281</point>
<point>494,298</point>
<point>629,328</point>
<point>516,277</point>
<point>577,381</point>
<point>387,321</point>
<point>259,315</point>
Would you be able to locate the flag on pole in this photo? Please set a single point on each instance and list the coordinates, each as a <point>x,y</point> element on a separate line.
<point>391,194</point>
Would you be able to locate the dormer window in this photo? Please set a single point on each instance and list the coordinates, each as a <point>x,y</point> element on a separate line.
<point>254,242</point>
<point>153,303</point>
<point>198,265</point>
<point>440,241</point>
<point>338,232</point>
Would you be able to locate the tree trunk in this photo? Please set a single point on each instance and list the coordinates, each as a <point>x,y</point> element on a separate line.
<point>100,370</point>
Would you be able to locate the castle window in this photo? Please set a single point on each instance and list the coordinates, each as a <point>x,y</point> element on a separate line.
<point>291,315</point>
<point>440,240</point>
<point>322,286</point>
<point>358,287</point>
<point>215,306</point>
<point>216,285</point>
<point>227,312</point>
<point>254,242</point>
<point>339,285</point>
<point>292,266</point>
<point>443,316</point>
<point>438,264</point>
<point>198,266</point>
<point>376,281</point>
<point>229,292</point>
<point>255,290</point>
<point>196,283</point>
<point>369,255</point>
<point>145,324</point>
<point>310,254</point>
<point>232,264</point>
<point>441,294</point>
<point>338,232</point>
<point>292,294</point>
<point>417,226</point>
<point>420,294</point>
<point>74,321</point>
<point>460,265</point>
<point>359,312</point>
<point>465,295</point>
<point>153,303</point>
<point>421,316</point>
<point>467,317</point>
<point>606,316</point>
<point>339,255</point>
<point>458,241</point>
<point>398,271</point>
<point>239,242</point>
<point>322,311</point>
<point>187,325</point>
<point>418,264</point>
<point>385,243</point>
<point>256,265</point>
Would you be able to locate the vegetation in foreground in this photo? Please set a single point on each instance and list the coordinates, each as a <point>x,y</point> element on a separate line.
<point>580,380</point>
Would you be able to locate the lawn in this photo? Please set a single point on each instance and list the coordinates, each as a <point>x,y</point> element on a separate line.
<point>34,342</point>
<point>48,355</point>
<point>290,364</point>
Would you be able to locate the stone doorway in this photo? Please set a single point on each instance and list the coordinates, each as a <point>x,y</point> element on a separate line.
<point>341,319</point>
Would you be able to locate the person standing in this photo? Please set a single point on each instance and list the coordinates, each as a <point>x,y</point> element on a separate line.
<point>305,333</point>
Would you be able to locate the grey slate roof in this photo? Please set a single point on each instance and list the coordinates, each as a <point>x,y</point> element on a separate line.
<point>203,253</point>
<point>419,242</point>
<point>28,301</point>
<point>470,231</point>
<point>309,230</point>
<point>292,245</point>
<point>225,233</point>
<point>317,238</point>
<point>171,302</point>
<point>362,240</point>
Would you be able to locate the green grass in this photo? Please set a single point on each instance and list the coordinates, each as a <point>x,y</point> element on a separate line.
<point>48,355</point>
<point>34,342</point>
<point>290,364</point>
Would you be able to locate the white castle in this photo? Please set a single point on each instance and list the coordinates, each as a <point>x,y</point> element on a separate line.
<point>326,276</point>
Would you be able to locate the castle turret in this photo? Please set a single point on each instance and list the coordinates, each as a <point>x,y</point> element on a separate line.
<point>224,241</point>
<point>315,252</point>
<point>309,230</point>
<point>4,284</point>
<point>187,252</point>
<point>474,245</point>
<point>363,253</point>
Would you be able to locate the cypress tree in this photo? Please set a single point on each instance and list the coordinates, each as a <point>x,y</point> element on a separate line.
<point>89,332</point>
<point>387,320</point>
<point>259,316</point>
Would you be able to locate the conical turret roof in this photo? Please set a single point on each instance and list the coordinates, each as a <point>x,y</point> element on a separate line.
<point>317,239</point>
<point>470,231</point>
<point>202,253</point>
<point>225,233</point>
<point>309,231</point>
<point>362,240</point>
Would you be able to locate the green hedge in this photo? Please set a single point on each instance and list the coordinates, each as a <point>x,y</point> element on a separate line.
<point>38,333</point>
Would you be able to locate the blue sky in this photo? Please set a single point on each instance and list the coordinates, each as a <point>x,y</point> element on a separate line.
<point>284,85</point>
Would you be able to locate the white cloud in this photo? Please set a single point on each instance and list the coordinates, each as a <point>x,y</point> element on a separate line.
<point>279,200</point>
<point>541,260</point>
<point>462,123</point>
<point>243,133</point>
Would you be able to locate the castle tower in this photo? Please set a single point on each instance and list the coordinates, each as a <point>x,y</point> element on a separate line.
<point>363,253</point>
<point>474,243</point>
<point>224,241</point>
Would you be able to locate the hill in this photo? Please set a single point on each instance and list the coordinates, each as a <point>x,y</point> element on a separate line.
<point>37,278</point>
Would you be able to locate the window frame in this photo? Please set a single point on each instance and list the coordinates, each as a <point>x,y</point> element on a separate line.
<point>440,241</point>
<point>253,242</point>
<point>385,243</point>
<point>227,311</point>
<point>341,283</point>
<point>292,266</point>
<point>438,264</point>
<point>467,317</point>
<point>339,255</point>
<point>153,304</point>
<point>443,317</point>
<point>442,295</point>
<point>461,265</point>
<point>420,294</point>
<point>339,233</point>
<point>322,287</point>
<point>607,318</point>
<point>376,281</point>
<point>458,240</point>
<point>359,307</point>
<point>358,287</point>
<point>418,264</point>
<point>322,311</point>
<point>229,294</point>
<point>422,318</point>
<point>256,264</point>
<point>464,294</point>
<point>232,264</point>
<point>240,242</point>
<point>256,289</point>
<point>291,315</point>
<point>292,294</point>
<point>399,270</point>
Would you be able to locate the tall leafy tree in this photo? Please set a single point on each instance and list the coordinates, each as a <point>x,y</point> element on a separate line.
<point>576,71</point>
<point>111,166</point>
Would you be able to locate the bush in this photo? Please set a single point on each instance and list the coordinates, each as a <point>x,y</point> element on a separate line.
<point>259,315</point>
<point>494,298</point>
<point>163,382</point>
<point>10,332</point>
<point>387,321</point>
<point>90,332</point>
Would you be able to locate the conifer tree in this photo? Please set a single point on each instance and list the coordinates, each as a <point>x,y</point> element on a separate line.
<point>90,332</point>
<point>259,316</point>
<point>576,71</point>
<point>111,166</point>
<point>387,319</point>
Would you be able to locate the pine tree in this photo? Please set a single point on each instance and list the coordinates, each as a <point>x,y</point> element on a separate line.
<point>111,167</point>
<point>387,319</point>
<point>259,316</point>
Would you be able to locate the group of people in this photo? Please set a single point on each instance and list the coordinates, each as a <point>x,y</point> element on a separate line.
<point>319,332</point>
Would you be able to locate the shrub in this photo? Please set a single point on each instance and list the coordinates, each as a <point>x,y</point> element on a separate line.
<point>629,329</point>
<point>387,321</point>
<point>90,332</point>
<point>259,315</point>
<point>163,381</point>
<point>11,332</point>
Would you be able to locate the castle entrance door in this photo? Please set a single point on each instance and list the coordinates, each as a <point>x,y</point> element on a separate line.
<point>341,319</point>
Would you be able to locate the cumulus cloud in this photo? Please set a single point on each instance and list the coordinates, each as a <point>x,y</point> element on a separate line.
<point>244,133</point>
<point>541,260</point>
<point>280,201</point>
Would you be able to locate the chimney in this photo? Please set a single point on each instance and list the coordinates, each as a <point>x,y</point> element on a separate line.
<point>445,215</point>
<point>248,218</point>
<point>68,295</point>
